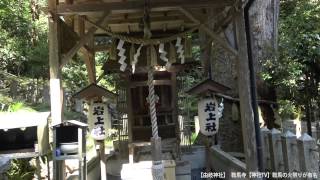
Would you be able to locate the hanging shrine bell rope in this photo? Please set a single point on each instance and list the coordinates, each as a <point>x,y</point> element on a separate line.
<point>144,41</point>
<point>152,104</point>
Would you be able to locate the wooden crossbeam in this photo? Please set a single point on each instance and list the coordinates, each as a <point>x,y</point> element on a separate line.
<point>84,39</point>
<point>100,77</point>
<point>86,50</point>
<point>75,36</point>
<point>89,60</point>
<point>210,32</point>
<point>99,48</point>
<point>137,6</point>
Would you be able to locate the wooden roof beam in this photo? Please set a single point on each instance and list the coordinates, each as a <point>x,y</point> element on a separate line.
<point>86,37</point>
<point>210,32</point>
<point>137,6</point>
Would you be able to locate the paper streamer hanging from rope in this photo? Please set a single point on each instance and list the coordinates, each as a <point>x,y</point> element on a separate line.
<point>135,59</point>
<point>122,56</point>
<point>163,55</point>
<point>220,109</point>
<point>180,50</point>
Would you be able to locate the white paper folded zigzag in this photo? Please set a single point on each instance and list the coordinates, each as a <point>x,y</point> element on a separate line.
<point>122,56</point>
<point>163,55</point>
<point>180,50</point>
<point>135,59</point>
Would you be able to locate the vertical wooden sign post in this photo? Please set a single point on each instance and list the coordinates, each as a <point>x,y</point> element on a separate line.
<point>98,133</point>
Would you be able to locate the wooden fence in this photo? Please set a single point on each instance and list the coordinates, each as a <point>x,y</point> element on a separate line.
<point>284,152</point>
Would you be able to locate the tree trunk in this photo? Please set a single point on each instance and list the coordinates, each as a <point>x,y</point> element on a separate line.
<point>264,24</point>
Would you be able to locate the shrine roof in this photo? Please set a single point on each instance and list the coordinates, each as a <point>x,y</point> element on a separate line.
<point>92,91</point>
<point>206,86</point>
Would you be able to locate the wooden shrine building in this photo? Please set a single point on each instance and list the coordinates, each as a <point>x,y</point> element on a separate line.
<point>140,34</point>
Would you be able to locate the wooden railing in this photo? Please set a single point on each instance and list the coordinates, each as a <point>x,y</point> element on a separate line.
<point>221,161</point>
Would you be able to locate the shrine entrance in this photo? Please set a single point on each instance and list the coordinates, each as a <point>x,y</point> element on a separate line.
<point>146,45</point>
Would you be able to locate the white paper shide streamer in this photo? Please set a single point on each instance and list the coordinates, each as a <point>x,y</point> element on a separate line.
<point>163,55</point>
<point>135,59</point>
<point>122,56</point>
<point>220,109</point>
<point>180,50</point>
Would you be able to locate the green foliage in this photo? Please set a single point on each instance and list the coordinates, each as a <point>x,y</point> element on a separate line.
<point>108,81</point>
<point>19,106</point>
<point>23,40</point>
<point>5,100</point>
<point>75,75</point>
<point>16,106</point>
<point>289,110</point>
<point>20,169</point>
<point>295,71</point>
<point>193,137</point>
<point>41,107</point>
<point>13,106</point>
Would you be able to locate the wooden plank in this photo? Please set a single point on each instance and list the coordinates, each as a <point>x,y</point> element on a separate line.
<point>247,119</point>
<point>145,83</point>
<point>205,51</point>
<point>134,21</point>
<point>99,48</point>
<point>84,39</point>
<point>221,161</point>
<point>81,26</point>
<point>212,34</point>
<point>137,6</point>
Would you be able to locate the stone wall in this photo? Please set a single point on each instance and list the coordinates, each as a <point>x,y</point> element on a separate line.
<point>230,134</point>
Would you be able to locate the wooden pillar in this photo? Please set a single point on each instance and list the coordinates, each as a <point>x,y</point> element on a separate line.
<point>103,162</point>
<point>205,51</point>
<point>175,112</point>
<point>82,153</point>
<point>247,116</point>
<point>56,95</point>
<point>130,118</point>
<point>54,58</point>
